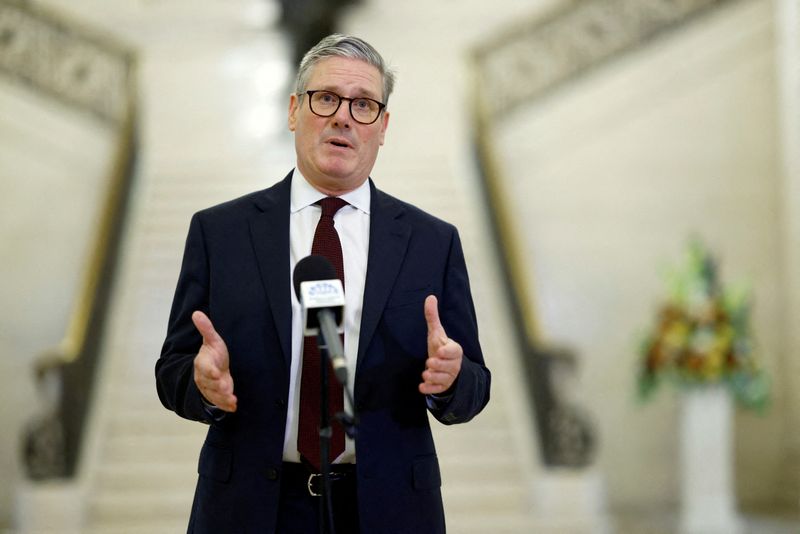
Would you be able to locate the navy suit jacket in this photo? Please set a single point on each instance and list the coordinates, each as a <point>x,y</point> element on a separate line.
<point>236,269</point>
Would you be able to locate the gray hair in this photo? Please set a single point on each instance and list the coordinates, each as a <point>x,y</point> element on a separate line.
<point>347,46</point>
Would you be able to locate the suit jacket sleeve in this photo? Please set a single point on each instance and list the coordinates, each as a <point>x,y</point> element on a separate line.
<point>175,367</point>
<point>457,312</point>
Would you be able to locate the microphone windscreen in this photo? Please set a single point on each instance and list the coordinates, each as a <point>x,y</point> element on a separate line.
<point>310,269</point>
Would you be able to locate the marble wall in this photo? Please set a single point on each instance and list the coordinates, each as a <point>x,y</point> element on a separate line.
<point>610,176</point>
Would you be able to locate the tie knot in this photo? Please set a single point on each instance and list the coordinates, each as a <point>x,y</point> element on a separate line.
<point>330,205</point>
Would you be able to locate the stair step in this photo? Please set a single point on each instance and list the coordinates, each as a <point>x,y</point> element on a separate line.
<point>477,473</point>
<point>481,523</point>
<point>155,477</point>
<point>144,449</point>
<point>139,526</point>
<point>479,439</point>
<point>494,498</point>
<point>132,507</point>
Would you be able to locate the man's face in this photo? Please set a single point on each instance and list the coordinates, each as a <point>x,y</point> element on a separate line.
<point>336,153</point>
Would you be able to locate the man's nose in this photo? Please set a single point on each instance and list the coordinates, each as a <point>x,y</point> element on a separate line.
<point>342,116</point>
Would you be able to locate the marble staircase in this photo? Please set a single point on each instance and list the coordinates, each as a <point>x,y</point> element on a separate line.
<point>214,128</point>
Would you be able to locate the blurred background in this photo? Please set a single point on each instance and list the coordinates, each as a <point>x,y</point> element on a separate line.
<point>579,146</point>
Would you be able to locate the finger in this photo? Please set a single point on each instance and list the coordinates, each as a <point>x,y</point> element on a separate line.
<point>219,386</point>
<point>435,328</point>
<point>230,403</point>
<point>451,350</point>
<point>437,377</point>
<point>227,402</point>
<point>450,367</point>
<point>432,389</point>
<point>219,392</point>
<point>440,364</point>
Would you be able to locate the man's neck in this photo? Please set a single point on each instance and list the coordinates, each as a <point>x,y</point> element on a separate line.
<point>332,188</point>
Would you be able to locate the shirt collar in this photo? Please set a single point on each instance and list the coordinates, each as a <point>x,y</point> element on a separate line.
<point>303,194</point>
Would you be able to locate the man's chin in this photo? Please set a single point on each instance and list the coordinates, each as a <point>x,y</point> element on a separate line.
<point>337,181</point>
<point>339,171</point>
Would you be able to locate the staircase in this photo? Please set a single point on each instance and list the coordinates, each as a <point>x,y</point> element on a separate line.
<point>214,128</point>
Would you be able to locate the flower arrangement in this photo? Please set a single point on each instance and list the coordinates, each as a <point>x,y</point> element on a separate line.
<point>702,336</point>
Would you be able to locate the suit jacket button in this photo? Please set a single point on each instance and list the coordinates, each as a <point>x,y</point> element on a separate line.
<point>280,403</point>
<point>272,473</point>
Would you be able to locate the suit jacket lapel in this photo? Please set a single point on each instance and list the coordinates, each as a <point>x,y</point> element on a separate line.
<point>269,231</point>
<point>388,241</point>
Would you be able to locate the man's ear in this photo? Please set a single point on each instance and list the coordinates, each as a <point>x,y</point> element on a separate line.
<point>294,105</point>
<point>384,125</point>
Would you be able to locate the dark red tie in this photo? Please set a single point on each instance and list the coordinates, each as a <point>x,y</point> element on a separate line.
<point>326,243</point>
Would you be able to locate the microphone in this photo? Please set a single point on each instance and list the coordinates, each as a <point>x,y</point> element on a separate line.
<point>320,292</point>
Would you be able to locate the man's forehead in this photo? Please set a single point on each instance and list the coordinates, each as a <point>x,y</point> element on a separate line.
<point>341,73</point>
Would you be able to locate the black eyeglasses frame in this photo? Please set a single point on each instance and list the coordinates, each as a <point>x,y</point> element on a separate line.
<point>381,105</point>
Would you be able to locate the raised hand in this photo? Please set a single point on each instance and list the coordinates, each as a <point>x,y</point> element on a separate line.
<point>444,354</point>
<point>212,366</point>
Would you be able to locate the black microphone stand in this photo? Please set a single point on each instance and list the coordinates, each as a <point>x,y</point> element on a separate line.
<point>348,421</point>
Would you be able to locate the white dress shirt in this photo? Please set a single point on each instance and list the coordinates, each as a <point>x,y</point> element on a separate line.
<point>352,225</point>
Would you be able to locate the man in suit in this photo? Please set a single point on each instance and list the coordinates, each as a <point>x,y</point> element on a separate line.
<point>234,353</point>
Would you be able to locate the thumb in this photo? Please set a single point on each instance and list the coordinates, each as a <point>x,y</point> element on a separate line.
<point>435,329</point>
<point>206,329</point>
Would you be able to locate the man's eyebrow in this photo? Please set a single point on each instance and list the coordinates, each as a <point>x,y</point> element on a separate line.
<point>359,93</point>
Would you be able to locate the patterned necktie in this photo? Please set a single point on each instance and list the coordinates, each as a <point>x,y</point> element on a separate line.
<point>326,243</point>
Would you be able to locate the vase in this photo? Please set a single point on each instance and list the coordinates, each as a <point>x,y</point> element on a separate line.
<point>707,482</point>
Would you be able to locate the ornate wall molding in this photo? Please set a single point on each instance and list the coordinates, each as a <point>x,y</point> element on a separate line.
<point>533,57</point>
<point>76,66</point>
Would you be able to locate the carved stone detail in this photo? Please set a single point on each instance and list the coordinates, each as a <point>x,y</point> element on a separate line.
<point>533,58</point>
<point>79,69</point>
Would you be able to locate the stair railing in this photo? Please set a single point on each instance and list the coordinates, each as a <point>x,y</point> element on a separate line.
<point>93,73</point>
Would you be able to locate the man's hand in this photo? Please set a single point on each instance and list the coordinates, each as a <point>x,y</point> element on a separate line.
<point>444,354</point>
<point>212,366</point>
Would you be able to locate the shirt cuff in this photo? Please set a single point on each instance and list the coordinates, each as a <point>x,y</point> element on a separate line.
<point>214,413</point>
<point>437,401</point>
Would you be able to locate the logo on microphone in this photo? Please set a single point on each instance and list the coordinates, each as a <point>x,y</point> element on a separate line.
<point>322,289</point>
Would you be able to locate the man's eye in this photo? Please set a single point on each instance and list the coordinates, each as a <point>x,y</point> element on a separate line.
<point>327,98</point>
<point>362,104</point>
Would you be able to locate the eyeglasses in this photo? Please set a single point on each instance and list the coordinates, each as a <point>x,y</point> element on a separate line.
<point>363,110</point>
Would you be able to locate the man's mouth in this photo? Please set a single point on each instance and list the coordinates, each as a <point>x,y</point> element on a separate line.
<point>341,143</point>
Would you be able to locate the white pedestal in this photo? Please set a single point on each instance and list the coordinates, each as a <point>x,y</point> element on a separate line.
<point>570,501</point>
<point>49,507</point>
<point>707,499</point>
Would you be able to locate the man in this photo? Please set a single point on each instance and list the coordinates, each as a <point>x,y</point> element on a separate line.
<point>234,354</point>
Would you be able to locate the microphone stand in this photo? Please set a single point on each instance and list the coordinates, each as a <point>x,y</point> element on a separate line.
<point>348,421</point>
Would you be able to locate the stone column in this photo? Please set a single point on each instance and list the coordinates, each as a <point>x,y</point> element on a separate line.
<point>787,26</point>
